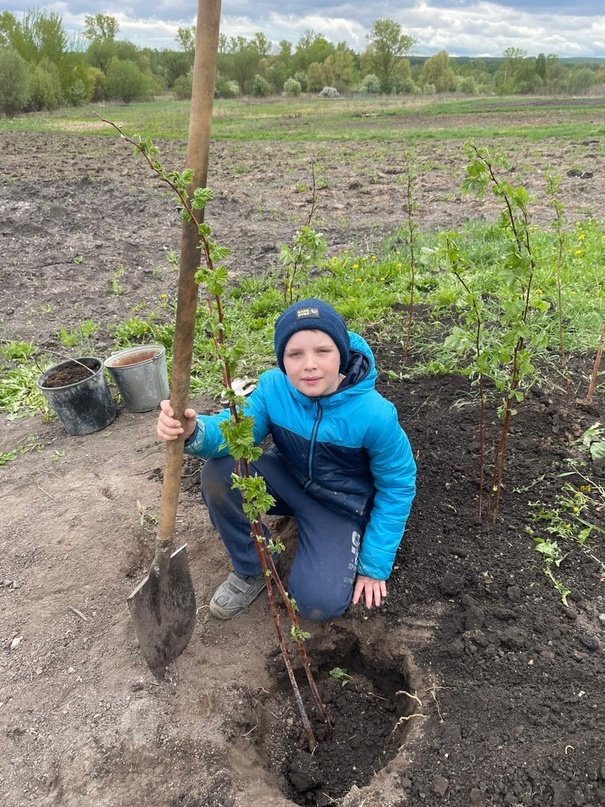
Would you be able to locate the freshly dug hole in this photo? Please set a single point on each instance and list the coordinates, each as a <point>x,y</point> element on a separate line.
<point>368,706</point>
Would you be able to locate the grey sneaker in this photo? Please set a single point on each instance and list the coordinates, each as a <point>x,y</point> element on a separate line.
<point>236,594</point>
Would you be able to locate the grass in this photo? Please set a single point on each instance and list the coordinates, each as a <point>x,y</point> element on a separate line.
<point>372,292</point>
<point>314,119</point>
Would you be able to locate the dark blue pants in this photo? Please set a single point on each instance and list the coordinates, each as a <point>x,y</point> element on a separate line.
<point>324,567</point>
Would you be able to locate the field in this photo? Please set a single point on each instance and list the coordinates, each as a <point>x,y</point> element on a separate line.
<point>477,682</point>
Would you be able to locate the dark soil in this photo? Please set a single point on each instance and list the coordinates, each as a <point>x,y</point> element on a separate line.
<point>474,684</point>
<point>71,374</point>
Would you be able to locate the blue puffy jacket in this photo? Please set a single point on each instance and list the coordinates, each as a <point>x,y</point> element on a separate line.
<point>346,449</point>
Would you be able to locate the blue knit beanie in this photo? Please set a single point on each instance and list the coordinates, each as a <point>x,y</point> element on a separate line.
<point>312,315</point>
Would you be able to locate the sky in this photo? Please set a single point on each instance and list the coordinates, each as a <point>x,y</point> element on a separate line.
<point>460,27</point>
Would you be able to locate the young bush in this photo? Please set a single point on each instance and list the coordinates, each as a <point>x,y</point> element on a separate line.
<point>45,87</point>
<point>182,87</point>
<point>14,82</point>
<point>406,86</point>
<point>370,85</point>
<point>224,88</point>
<point>292,87</point>
<point>97,81</point>
<point>260,87</point>
<point>125,81</point>
<point>329,92</point>
<point>301,77</point>
<point>466,85</point>
<point>77,94</point>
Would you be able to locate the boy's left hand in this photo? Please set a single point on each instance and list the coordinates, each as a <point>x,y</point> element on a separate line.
<point>373,591</point>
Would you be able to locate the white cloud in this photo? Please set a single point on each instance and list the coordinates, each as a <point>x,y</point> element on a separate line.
<point>461,27</point>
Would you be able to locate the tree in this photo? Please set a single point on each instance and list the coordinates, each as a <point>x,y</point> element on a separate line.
<point>437,71</point>
<point>45,87</point>
<point>315,77</point>
<point>100,53</point>
<point>261,87</point>
<point>38,35</point>
<point>388,45</point>
<point>556,75</point>
<point>125,81</point>
<point>262,44</point>
<point>511,72</point>
<point>311,47</point>
<point>186,39</point>
<point>341,66</point>
<point>243,62</point>
<point>173,65</point>
<point>14,82</point>
<point>8,25</point>
<point>580,80</point>
<point>100,26</point>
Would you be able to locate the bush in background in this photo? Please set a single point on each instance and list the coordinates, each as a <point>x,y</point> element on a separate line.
<point>14,82</point>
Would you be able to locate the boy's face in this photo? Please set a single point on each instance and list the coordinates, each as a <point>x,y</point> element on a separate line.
<point>312,361</point>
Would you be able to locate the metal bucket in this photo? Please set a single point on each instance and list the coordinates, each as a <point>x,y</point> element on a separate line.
<point>140,375</point>
<point>83,406</point>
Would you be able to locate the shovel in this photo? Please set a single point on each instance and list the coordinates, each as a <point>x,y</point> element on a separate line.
<point>163,606</point>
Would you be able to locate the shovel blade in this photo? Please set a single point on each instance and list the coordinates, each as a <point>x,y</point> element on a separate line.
<point>163,610</point>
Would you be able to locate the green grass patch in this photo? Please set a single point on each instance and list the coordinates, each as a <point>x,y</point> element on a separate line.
<point>346,119</point>
<point>373,293</point>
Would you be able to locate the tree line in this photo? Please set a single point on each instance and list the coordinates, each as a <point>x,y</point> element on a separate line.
<point>42,68</point>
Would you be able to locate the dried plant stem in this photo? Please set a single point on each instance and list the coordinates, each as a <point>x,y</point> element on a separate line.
<point>596,366</point>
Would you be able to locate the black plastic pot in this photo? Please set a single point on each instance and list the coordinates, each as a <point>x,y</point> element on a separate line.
<point>77,391</point>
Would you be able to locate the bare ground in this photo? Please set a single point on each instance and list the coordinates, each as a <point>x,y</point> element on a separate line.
<point>505,686</point>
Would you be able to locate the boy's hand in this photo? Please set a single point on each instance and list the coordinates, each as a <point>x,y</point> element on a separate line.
<point>371,590</point>
<point>169,428</point>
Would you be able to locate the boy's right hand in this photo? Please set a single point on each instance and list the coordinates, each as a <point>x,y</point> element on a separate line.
<point>169,428</point>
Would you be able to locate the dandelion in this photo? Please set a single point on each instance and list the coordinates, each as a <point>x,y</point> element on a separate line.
<point>578,252</point>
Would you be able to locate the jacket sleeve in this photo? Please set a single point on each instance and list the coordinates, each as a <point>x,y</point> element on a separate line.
<point>394,471</point>
<point>207,440</point>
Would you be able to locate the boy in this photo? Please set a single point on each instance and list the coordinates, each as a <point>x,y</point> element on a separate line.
<point>340,464</point>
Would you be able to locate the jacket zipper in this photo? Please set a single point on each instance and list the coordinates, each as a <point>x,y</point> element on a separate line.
<point>318,417</point>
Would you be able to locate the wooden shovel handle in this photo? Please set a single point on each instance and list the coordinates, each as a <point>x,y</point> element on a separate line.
<point>198,148</point>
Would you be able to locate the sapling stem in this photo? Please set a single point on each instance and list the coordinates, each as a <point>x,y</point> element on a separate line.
<point>521,264</point>
<point>242,445</point>
<point>411,228</point>
<point>478,350</point>
<point>553,188</point>
<point>308,249</point>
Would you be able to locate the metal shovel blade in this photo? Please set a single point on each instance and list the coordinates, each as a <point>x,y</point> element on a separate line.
<point>163,610</point>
